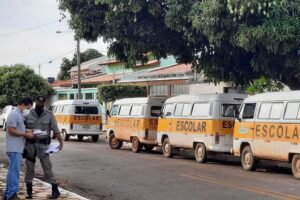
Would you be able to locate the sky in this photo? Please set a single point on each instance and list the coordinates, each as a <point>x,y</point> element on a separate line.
<point>28,36</point>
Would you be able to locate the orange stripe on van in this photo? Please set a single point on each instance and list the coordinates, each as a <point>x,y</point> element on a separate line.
<point>76,119</point>
<point>268,131</point>
<point>196,126</point>
<point>132,123</point>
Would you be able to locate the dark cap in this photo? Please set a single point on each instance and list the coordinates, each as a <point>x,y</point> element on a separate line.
<point>40,98</point>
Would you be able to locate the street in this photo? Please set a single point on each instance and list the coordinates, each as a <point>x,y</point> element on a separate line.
<point>95,171</point>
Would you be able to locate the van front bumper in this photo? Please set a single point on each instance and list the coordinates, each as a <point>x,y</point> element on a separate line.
<point>83,133</point>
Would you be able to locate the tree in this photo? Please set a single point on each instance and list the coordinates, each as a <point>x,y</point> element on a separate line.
<point>66,65</point>
<point>264,85</point>
<point>18,81</point>
<point>227,40</point>
<point>111,92</point>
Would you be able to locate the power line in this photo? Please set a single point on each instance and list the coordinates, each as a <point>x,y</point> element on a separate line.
<point>28,29</point>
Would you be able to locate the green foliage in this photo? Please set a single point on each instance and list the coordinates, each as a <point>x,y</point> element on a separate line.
<point>66,65</point>
<point>226,40</point>
<point>18,81</point>
<point>111,92</point>
<point>264,85</point>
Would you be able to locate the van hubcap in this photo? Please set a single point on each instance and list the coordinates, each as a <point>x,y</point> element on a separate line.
<point>298,165</point>
<point>200,152</point>
<point>114,141</point>
<point>248,159</point>
<point>167,148</point>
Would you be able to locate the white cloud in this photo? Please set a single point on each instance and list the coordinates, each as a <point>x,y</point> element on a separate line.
<point>39,45</point>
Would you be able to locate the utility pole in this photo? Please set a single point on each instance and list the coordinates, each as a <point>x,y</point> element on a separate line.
<point>78,67</point>
<point>39,69</point>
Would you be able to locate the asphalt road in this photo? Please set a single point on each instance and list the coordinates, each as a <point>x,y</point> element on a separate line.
<point>97,172</point>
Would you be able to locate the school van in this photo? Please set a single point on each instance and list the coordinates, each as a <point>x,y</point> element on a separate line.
<point>78,117</point>
<point>268,127</point>
<point>203,123</point>
<point>134,120</point>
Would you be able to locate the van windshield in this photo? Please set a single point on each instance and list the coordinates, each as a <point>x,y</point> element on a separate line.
<point>86,110</point>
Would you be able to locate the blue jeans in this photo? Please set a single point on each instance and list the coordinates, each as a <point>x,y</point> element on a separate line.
<point>13,174</point>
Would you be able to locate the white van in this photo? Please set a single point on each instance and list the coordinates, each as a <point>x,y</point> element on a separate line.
<point>134,120</point>
<point>4,114</point>
<point>78,117</point>
<point>268,127</point>
<point>203,123</point>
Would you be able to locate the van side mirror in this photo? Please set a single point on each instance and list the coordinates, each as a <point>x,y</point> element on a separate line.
<point>236,115</point>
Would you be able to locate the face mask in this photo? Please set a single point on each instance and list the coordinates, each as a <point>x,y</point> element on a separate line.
<point>26,112</point>
<point>39,110</point>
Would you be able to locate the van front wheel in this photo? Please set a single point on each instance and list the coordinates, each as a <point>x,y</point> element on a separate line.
<point>167,148</point>
<point>136,145</point>
<point>296,166</point>
<point>248,159</point>
<point>114,143</point>
<point>65,136</point>
<point>200,153</point>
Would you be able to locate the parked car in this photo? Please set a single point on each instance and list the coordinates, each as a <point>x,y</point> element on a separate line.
<point>4,114</point>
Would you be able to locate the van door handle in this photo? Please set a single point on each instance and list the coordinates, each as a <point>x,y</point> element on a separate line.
<point>251,129</point>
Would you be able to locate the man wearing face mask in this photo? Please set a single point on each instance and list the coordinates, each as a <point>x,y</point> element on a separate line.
<point>15,142</point>
<point>41,119</point>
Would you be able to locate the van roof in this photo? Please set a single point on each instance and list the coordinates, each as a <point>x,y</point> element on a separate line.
<point>207,97</point>
<point>274,96</point>
<point>76,102</point>
<point>141,100</point>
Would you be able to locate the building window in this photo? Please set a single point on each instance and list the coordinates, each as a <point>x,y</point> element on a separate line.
<point>62,96</point>
<point>72,96</point>
<point>89,96</point>
<point>179,89</point>
<point>159,90</point>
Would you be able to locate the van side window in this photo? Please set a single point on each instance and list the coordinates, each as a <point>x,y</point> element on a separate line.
<point>201,110</point>
<point>292,111</point>
<point>186,109</point>
<point>65,110</point>
<point>86,110</point>
<point>270,110</point>
<point>228,110</point>
<point>58,110</point>
<point>168,110</point>
<point>248,112</point>
<point>114,110</point>
<point>178,109</point>
<point>155,111</point>
<point>276,110</point>
<point>136,110</point>
<point>124,110</point>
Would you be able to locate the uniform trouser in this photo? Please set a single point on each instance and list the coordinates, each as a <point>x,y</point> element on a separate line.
<point>34,151</point>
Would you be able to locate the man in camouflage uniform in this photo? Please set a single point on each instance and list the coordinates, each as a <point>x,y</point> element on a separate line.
<point>42,119</point>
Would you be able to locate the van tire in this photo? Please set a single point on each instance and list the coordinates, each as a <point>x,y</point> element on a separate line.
<point>149,147</point>
<point>136,145</point>
<point>80,138</point>
<point>65,136</point>
<point>114,143</point>
<point>296,166</point>
<point>200,153</point>
<point>95,138</point>
<point>167,148</point>
<point>248,160</point>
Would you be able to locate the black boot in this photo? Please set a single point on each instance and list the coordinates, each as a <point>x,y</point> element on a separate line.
<point>29,190</point>
<point>55,192</point>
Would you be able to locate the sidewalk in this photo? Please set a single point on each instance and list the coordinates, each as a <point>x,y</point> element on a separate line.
<point>41,190</point>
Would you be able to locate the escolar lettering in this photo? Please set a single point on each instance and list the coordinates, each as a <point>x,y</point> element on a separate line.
<point>191,126</point>
<point>273,131</point>
<point>86,118</point>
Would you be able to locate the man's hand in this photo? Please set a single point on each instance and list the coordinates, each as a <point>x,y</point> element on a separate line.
<point>61,144</point>
<point>28,134</point>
